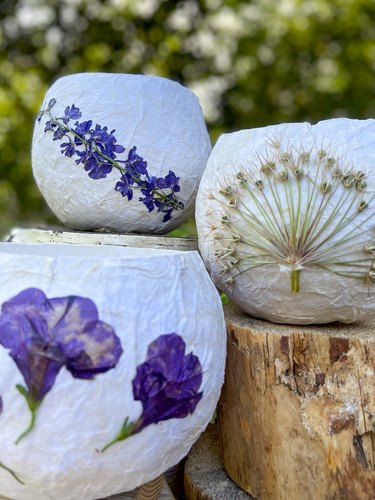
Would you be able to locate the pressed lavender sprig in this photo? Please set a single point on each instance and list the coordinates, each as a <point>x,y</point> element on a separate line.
<point>97,149</point>
<point>296,209</point>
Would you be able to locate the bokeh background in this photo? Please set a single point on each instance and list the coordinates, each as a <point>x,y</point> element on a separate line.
<point>251,63</point>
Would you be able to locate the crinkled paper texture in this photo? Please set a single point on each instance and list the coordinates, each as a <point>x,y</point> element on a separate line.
<point>265,291</point>
<point>160,117</point>
<point>142,294</point>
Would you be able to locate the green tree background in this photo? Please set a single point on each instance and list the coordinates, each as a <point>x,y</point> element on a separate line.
<point>252,63</point>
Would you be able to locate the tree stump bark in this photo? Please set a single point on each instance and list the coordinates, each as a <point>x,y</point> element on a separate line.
<point>297,411</point>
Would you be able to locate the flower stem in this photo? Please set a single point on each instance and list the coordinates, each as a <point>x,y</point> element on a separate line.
<point>126,431</point>
<point>294,280</point>
<point>11,472</point>
<point>30,428</point>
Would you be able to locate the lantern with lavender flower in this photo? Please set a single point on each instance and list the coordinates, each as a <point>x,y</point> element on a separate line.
<point>120,152</point>
<point>286,218</point>
<point>106,379</point>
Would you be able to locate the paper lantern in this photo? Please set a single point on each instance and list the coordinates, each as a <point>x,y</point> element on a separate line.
<point>286,218</point>
<point>111,364</point>
<point>121,152</point>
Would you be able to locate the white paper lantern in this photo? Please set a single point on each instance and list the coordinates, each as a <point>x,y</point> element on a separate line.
<point>84,160</point>
<point>103,345</point>
<point>286,218</point>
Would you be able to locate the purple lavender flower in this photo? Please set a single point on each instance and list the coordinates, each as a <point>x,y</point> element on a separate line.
<point>167,384</point>
<point>43,335</point>
<point>97,150</point>
<point>71,113</point>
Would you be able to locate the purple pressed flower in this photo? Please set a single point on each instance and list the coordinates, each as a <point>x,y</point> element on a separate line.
<point>43,335</point>
<point>51,104</point>
<point>97,149</point>
<point>167,384</point>
<point>50,125</point>
<point>59,133</point>
<point>82,129</point>
<point>124,188</point>
<point>68,149</point>
<point>71,113</point>
<point>167,215</point>
<point>135,163</point>
<point>148,199</point>
<point>96,167</point>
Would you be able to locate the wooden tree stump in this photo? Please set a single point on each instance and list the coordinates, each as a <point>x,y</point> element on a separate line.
<point>297,411</point>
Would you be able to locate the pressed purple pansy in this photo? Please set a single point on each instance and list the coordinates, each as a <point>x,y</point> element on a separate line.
<point>167,384</point>
<point>43,335</point>
<point>97,149</point>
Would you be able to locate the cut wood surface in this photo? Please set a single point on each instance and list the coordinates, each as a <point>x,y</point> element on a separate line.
<point>157,489</point>
<point>297,411</point>
<point>205,477</point>
<point>34,235</point>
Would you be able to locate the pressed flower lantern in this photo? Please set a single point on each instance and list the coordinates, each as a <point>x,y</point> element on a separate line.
<point>106,378</point>
<point>121,152</point>
<point>286,218</point>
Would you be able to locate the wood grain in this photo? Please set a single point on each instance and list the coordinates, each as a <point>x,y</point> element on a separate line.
<point>297,411</point>
<point>205,477</point>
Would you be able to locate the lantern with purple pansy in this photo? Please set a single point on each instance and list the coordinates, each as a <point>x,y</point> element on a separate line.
<point>99,343</point>
<point>43,335</point>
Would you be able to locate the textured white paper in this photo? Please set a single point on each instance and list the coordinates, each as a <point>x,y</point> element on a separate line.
<point>142,294</point>
<point>160,117</point>
<point>265,291</point>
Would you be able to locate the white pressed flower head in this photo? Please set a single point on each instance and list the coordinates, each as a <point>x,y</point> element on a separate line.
<point>295,207</point>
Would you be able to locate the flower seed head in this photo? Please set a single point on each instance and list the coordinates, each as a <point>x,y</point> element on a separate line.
<point>330,162</point>
<point>371,276</point>
<point>325,187</point>
<point>217,235</point>
<point>304,157</point>
<point>268,167</point>
<point>359,175</point>
<point>232,203</point>
<point>321,154</point>
<point>348,181</point>
<point>299,173</point>
<point>226,191</point>
<point>225,219</point>
<point>337,173</point>
<point>283,175</point>
<point>362,205</point>
<point>218,253</point>
<point>370,247</point>
<point>259,184</point>
<point>241,176</point>
<point>361,185</point>
<point>285,157</point>
<point>233,262</point>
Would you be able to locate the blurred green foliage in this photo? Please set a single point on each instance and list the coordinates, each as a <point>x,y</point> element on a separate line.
<point>252,63</point>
